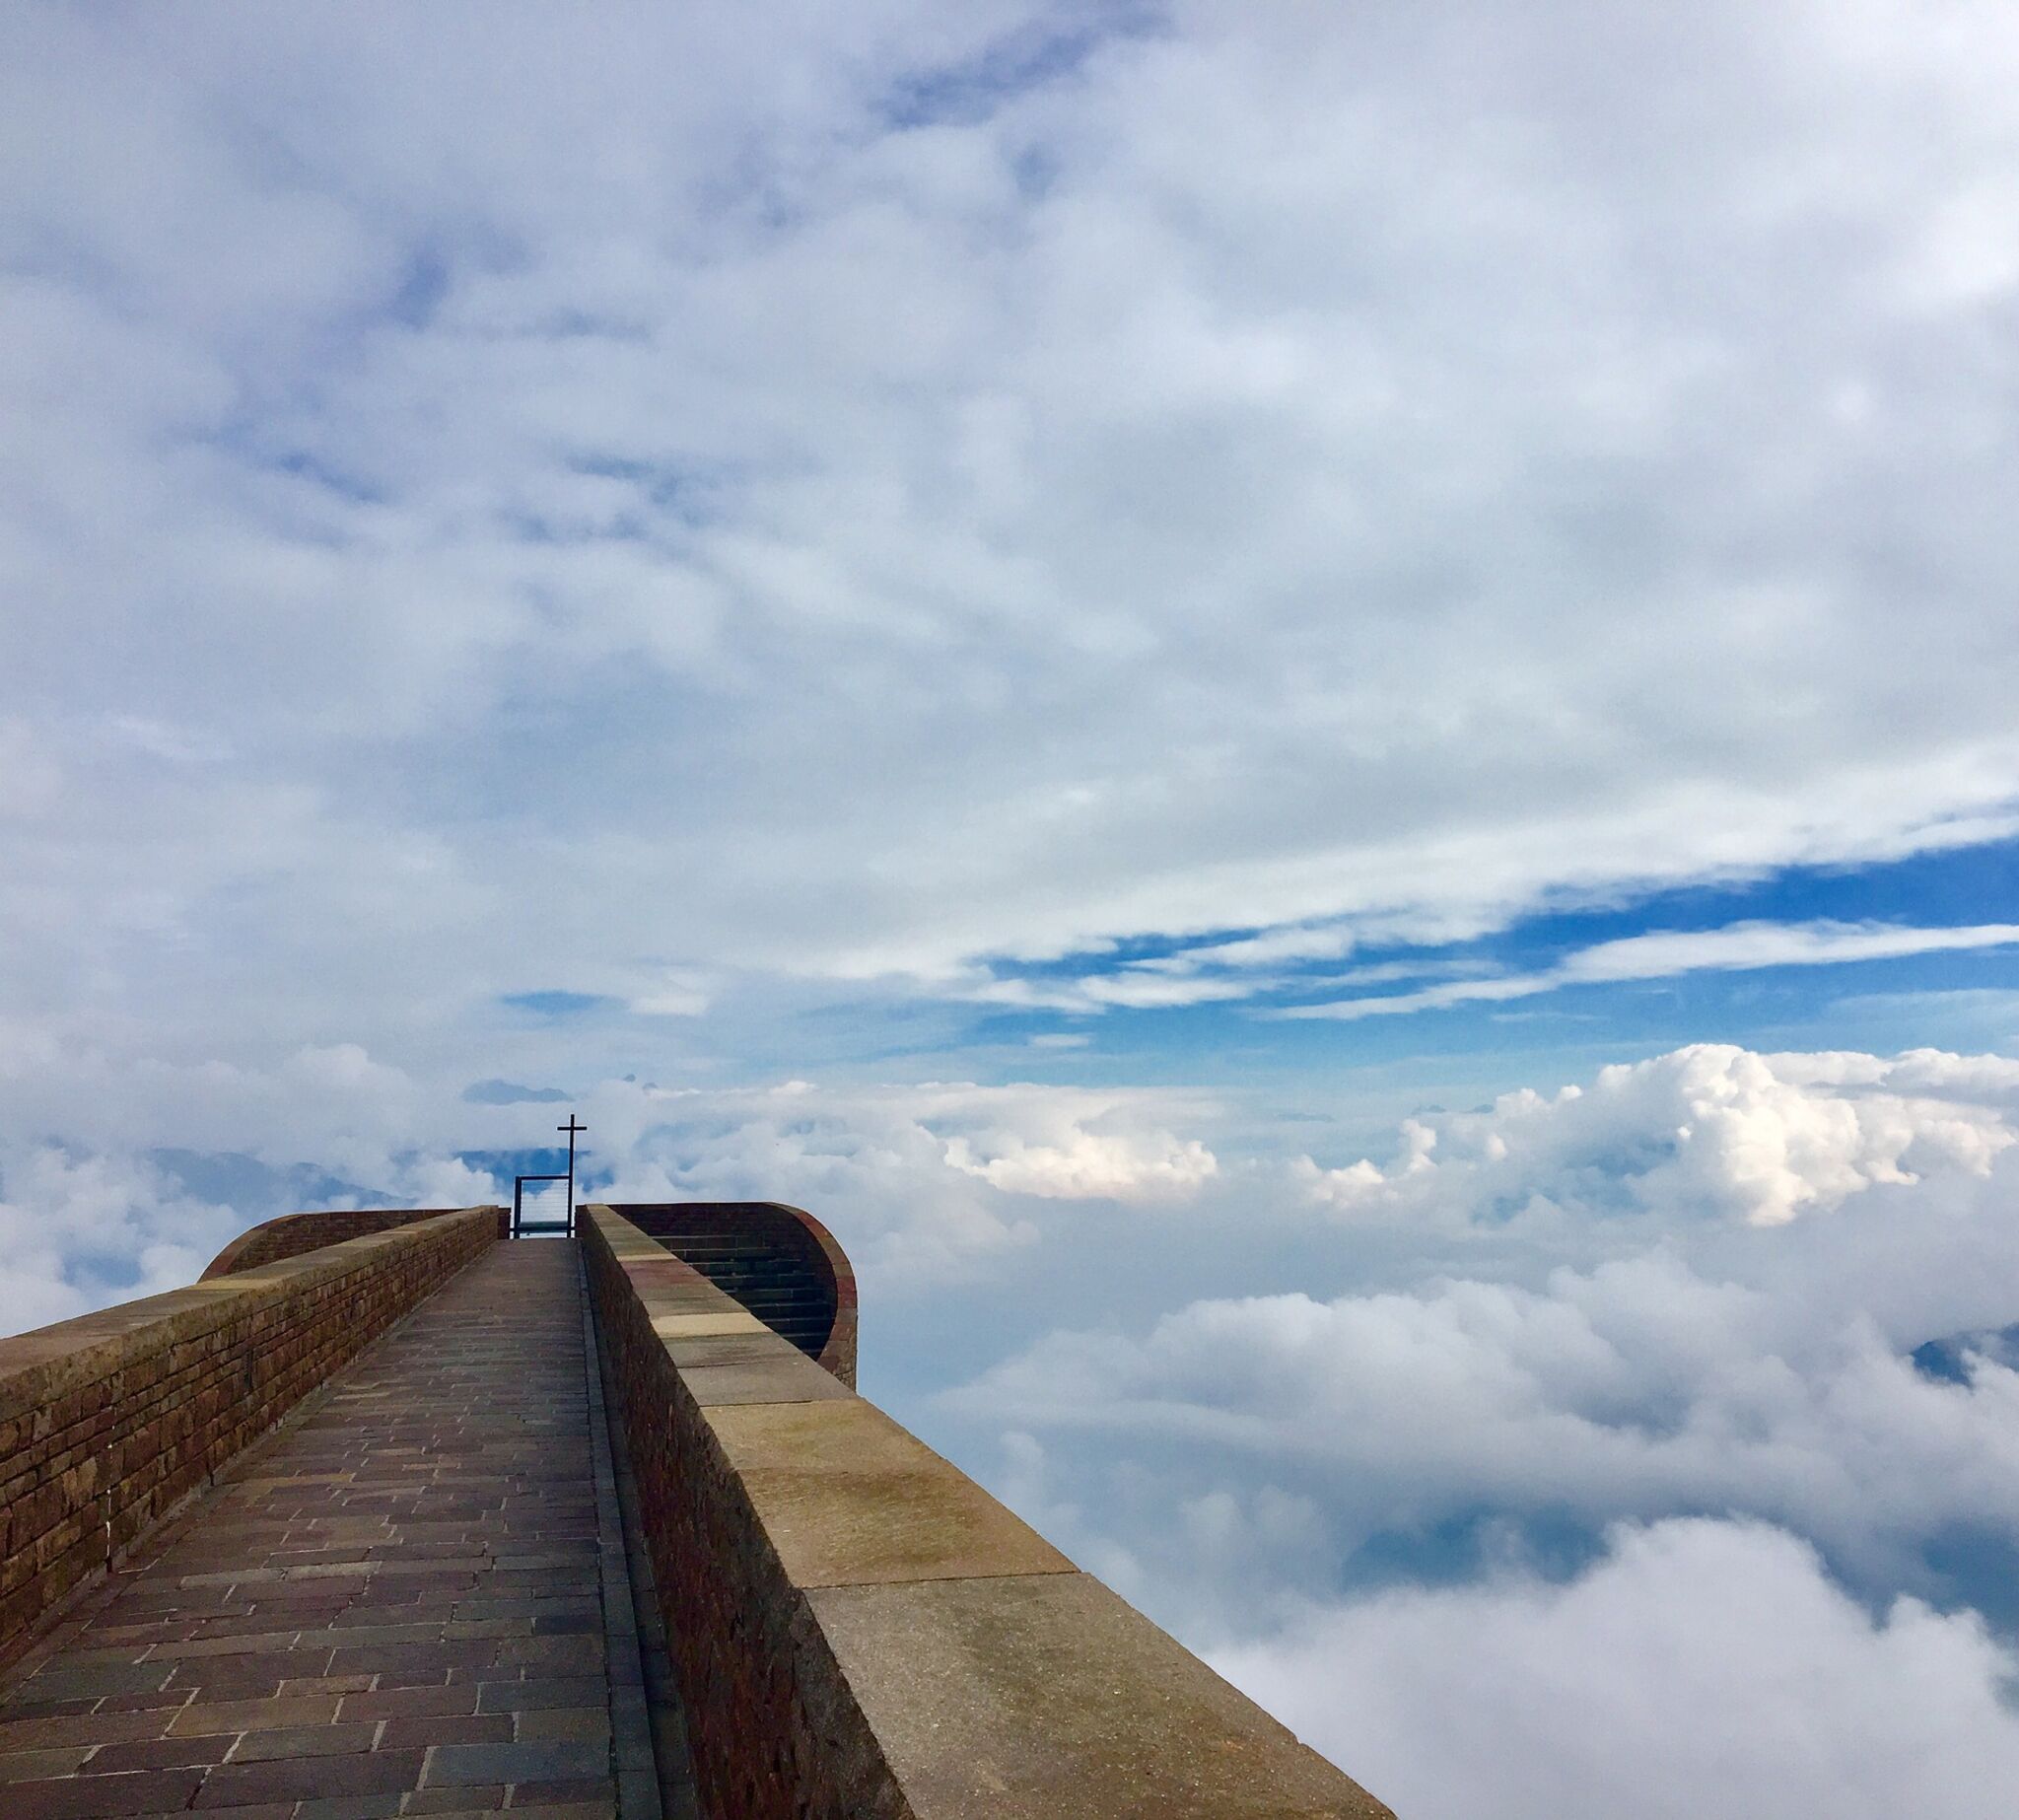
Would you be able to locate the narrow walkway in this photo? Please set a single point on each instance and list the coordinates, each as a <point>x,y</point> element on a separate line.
<point>398,1607</point>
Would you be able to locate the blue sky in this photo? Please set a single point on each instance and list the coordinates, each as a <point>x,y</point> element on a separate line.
<point>1308,709</point>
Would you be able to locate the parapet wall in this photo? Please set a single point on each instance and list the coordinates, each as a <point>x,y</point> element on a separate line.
<point>859,1630</point>
<point>289,1235</point>
<point>109,1421</point>
<point>752,1249</point>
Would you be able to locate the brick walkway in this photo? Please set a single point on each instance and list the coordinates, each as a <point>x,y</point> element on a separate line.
<point>398,1607</point>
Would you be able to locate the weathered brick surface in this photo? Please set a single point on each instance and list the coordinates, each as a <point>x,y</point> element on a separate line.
<point>289,1235</point>
<point>859,1631</point>
<point>395,1608</point>
<point>728,1608</point>
<point>115,1418</point>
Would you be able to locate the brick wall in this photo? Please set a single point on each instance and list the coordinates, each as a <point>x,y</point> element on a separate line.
<point>109,1421</point>
<point>766,1226</point>
<point>290,1234</point>
<point>859,1630</point>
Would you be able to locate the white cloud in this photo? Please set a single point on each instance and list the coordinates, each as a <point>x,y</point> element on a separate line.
<point>1325,943</point>
<point>1091,1166</point>
<point>1633,1390</point>
<point>1585,1323</point>
<point>78,1232</point>
<point>674,995</point>
<point>1493,991</point>
<point>1700,1667</point>
<point>1152,532</point>
<point>1145,990</point>
<point>1710,1130</point>
<point>923,1184</point>
<point>1660,953</point>
<point>1666,953</point>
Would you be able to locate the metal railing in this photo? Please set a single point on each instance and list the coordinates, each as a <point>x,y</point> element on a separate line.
<point>521,1224</point>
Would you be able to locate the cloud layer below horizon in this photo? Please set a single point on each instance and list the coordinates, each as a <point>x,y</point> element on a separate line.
<point>1660,1425</point>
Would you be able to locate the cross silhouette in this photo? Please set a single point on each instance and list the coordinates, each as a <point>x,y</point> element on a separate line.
<point>574,1131</point>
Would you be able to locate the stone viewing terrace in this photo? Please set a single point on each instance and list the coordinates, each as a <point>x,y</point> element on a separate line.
<point>391,1516</point>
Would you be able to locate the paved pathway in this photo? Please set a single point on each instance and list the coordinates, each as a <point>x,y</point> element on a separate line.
<point>406,1604</point>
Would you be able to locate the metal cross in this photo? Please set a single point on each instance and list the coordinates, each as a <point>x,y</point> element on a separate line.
<point>574,1130</point>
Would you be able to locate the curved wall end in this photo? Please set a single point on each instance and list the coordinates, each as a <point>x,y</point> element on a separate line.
<point>777,1260</point>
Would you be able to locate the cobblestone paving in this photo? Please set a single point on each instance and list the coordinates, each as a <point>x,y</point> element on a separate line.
<point>394,1608</point>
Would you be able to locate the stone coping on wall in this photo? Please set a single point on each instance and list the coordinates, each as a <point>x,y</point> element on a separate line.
<point>861,1629</point>
<point>664,1220</point>
<point>288,1235</point>
<point>111,1419</point>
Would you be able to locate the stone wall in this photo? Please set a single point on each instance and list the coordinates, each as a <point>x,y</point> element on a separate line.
<point>109,1421</point>
<point>859,1630</point>
<point>755,1229</point>
<point>288,1235</point>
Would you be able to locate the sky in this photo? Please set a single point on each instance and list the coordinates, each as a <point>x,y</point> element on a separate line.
<point>1307,708</point>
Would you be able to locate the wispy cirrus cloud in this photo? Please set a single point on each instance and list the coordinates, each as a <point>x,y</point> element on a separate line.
<point>1670,953</point>
<point>1254,968</point>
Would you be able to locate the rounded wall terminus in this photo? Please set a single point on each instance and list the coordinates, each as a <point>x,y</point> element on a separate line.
<point>780,1262</point>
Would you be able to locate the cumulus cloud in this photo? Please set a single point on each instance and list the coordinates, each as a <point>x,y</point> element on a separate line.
<point>1710,1130</point>
<point>1699,1667</point>
<point>1633,1390</point>
<point>920,1182</point>
<point>925,1183</point>
<point>1073,1159</point>
<point>1581,1332</point>
<point>78,1232</point>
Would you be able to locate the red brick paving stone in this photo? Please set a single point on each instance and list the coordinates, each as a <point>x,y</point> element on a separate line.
<point>531,1695</point>
<point>258,1810</point>
<point>31,1766</point>
<point>420,1549</point>
<point>557,1795</point>
<point>303,1741</point>
<point>457,1800</point>
<point>486,1729</point>
<point>539,1760</point>
<point>58,1709</point>
<point>590,1723</point>
<point>605,1808</point>
<point>208,1719</point>
<point>99,1797</point>
<point>410,1703</point>
<point>80,1728</point>
<point>161,1754</point>
<point>327,1684</point>
<point>237,1785</point>
<point>158,1702</point>
<point>245,1677</point>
